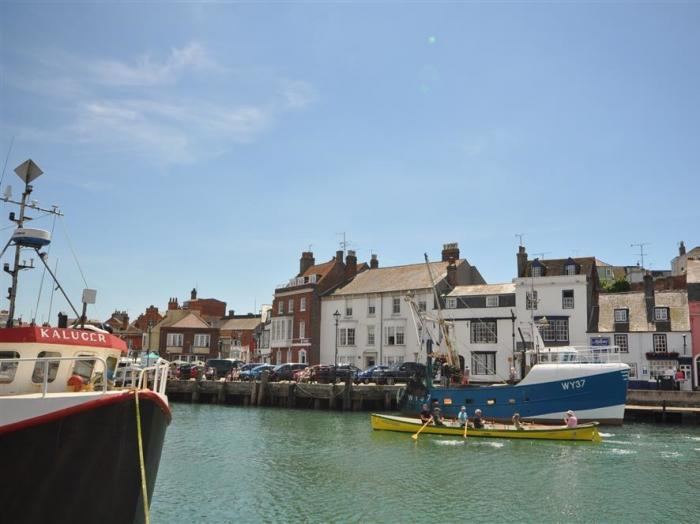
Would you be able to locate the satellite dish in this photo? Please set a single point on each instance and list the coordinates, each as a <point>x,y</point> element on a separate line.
<point>28,171</point>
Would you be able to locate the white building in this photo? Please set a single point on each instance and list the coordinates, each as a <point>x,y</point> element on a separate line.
<point>484,327</point>
<point>375,323</point>
<point>650,328</point>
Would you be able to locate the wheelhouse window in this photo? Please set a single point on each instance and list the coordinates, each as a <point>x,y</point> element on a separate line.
<point>483,363</point>
<point>567,299</point>
<point>621,316</point>
<point>8,369</point>
<point>660,345</point>
<point>492,301</point>
<point>483,332</point>
<point>622,343</point>
<point>661,314</point>
<point>41,365</point>
<point>84,368</point>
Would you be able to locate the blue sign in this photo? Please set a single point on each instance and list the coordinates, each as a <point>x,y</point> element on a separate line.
<point>600,341</point>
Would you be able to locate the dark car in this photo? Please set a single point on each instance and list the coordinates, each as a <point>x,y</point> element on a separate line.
<point>367,375</point>
<point>318,373</point>
<point>188,371</point>
<point>256,372</point>
<point>400,373</point>
<point>344,372</point>
<point>286,371</point>
<point>220,367</point>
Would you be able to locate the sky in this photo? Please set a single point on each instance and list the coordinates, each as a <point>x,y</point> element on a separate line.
<point>207,144</point>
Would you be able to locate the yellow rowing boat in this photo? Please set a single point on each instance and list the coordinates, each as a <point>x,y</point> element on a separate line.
<point>586,432</point>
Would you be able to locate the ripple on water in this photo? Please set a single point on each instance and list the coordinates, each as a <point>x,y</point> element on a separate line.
<point>606,434</point>
<point>619,451</point>
<point>671,454</point>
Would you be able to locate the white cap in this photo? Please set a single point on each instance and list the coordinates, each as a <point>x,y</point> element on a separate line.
<point>570,413</point>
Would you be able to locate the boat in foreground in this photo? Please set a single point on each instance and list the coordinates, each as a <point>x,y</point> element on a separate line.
<point>583,432</point>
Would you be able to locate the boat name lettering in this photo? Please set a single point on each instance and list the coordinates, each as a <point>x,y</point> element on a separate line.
<point>64,334</point>
<point>573,384</point>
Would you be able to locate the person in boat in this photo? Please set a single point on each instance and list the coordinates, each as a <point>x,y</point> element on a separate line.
<point>463,418</point>
<point>438,419</point>
<point>425,414</point>
<point>76,383</point>
<point>516,421</point>
<point>570,419</point>
<point>478,421</point>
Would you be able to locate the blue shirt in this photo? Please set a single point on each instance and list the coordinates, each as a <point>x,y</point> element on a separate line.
<point>462,416</point>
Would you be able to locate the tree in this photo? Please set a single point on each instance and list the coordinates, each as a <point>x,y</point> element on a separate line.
<point>619,285</point>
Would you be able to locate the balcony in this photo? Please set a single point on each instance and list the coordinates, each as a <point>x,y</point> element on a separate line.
<point>299,281</point>
<point>662,355</point>
<point>173,349</point>
<point>200,350</point>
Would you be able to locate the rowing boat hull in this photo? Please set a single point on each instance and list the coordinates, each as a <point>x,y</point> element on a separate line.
<point>583,432</point>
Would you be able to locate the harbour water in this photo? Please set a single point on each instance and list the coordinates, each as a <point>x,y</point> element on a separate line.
<point>224,464</point>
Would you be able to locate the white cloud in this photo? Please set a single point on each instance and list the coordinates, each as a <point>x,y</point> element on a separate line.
<point>297,94</point>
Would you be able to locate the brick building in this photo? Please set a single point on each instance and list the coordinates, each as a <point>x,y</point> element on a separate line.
<point>186,335</point>
<point>129,333</point>
<point>146,322</point>
<point>295,330</point>
<point>237,335</point>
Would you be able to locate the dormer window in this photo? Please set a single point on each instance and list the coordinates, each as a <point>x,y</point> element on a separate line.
<point>570,267</point>
<point>621,316</point>
<point>661,314</point>
<point>537,268</point>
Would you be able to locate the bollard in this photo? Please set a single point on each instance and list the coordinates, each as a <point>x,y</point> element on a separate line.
<point>263,387</point>
<point>347,395</point>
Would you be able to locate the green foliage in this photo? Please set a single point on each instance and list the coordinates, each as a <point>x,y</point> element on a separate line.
<point>618,285</point>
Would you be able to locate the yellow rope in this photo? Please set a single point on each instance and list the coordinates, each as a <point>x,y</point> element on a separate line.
<point>144,489</point>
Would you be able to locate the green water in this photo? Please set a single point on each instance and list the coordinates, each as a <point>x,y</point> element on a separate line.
<point>235,464</point>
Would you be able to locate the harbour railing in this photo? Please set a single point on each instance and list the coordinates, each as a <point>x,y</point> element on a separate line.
<point>156,374</point>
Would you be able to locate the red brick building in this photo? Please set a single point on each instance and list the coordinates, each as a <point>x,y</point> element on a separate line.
<point>129,333</point>
<point>185,335</point>
<point>295,331</point>
<point>145,323</point>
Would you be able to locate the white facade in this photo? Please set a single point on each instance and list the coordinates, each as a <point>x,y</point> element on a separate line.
<point>563,300</point>
<point>373,328</point>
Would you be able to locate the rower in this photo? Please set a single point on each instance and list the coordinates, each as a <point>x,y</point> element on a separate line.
<point>437,414</point>
<point>516,421</point>
<point>570,419</point>
<point>425,414</point>
<point>462,417</point>
<point>478,420</point>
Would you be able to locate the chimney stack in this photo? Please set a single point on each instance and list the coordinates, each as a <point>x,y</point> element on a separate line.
<point>350,264</point>
<point>681,249</point>
<point>374,262</point>
<point>339,255</point>
<point>172,304</point>
<point>649,297</point>
<point>452,273</point>
<point>307,260</point>
<point>522,261</point>
<point>450,251</point>
<point>231,312</point>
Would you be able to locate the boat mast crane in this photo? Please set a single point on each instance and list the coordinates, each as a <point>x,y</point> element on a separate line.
<point>452,357</point>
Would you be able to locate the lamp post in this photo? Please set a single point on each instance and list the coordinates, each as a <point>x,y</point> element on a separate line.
<point>336,316</point>
<point>684,345</point>
<point>150,327</point>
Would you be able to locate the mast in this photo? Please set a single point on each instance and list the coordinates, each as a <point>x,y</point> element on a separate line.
<point>28,171</point>
<point>452,357</point>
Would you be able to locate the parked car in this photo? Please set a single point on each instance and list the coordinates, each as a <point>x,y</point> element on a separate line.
<point>256,372</point>
<point>344,372</point>
<point>367,375</point>
<point>235,373</point>
<point>318,373</point>
<point>188,371</point>
<point>286,371</point>
<point>400,373</point>
<point>220,367</point>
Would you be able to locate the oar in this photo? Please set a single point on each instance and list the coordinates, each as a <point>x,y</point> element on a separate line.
<point>466,423</point>
<point>415,435</point>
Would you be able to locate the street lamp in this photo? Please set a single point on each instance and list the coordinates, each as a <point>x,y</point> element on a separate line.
<point>336,316</point>
<point>684,345</point>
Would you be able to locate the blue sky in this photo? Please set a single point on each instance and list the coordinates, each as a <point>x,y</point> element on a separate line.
<point>208,144</point>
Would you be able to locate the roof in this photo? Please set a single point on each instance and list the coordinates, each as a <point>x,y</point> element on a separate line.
<point>396,278</point>
<point>693,271</point>
<point>190,321</point>
<point>485,289</point>
<point>240,324</point>
<point>319,269</point>
<point>675,300</point>
<point>555,266</point>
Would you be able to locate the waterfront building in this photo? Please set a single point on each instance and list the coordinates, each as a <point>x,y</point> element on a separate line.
<point>261,334</point>
<point>649,328</point>
<point>560,295</point>
<point>186,335</point>
<point>679,264</point>
<point>374,322</point>
<point>295,330</point>
<point>484,327</point>
<point>146,321</point>
<point>693,283</point>
<point>237,336</point>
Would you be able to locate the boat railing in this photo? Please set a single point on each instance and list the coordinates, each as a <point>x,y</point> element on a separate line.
<point>580,355</point>
<point>49,360</point>
<point>157,374</point>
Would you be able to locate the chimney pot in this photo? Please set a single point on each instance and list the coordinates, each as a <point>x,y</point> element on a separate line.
<point>307,261</point>
<point>350,264</point>
<point>450,250</point>
<point>339,255</point>
<point>374,262</point>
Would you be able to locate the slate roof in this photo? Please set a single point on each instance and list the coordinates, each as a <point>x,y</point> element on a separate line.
<point>396,278</point>
<point>240,324</point>
<point>675,300</point>
<point>555,266</point>
<point>485,289</point>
